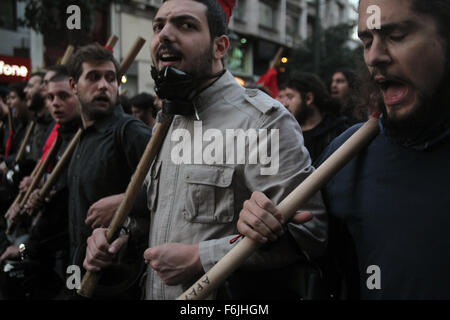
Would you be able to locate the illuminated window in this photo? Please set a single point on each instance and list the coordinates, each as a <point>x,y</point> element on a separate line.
<point>238,56</point>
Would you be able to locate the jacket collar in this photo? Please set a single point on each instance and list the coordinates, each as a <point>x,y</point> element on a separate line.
<point>215,92</point>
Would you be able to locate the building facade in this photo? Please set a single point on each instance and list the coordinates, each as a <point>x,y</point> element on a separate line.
<point>258,28</point>
<point>20,49</point>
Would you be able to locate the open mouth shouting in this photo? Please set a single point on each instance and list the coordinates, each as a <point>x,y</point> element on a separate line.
<point>168,56</point>
<point>396,92</point>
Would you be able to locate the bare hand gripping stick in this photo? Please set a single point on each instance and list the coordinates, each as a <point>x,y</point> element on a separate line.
<point>288,207</point>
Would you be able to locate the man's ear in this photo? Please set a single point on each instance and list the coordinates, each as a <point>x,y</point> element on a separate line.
<point>221,45</point>
<point>73,85</point>
<point>309,99</point>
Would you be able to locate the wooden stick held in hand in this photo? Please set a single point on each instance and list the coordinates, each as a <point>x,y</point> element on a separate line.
<point>65,158</point>
<point>36,179</point>
<point>288,207</point>
<point>40,172</point>
<point>60,165</point>
<point>22,194</point>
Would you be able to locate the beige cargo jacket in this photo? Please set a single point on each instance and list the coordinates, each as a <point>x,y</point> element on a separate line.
<point>196,191</point>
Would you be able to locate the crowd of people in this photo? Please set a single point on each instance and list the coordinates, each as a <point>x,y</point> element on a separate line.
<point>70,145</point>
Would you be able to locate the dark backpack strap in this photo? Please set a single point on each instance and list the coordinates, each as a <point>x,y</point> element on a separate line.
<point>119,139</point>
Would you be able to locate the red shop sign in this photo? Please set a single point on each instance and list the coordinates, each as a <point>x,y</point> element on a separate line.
<point>14,69</point>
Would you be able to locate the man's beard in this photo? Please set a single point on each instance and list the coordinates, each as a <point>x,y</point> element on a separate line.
<point>202,66</point>
<point>302,113</point>
<point>428,117</point>
<point>37,102</point>
<point>93,113</point>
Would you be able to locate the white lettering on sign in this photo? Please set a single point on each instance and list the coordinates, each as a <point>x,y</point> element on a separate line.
<point>13,70</point>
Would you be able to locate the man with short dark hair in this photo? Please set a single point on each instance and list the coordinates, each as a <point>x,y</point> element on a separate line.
<point>103,162</point>
<point>307,99</point>
<point>194,203</point>
<point>391,195</point>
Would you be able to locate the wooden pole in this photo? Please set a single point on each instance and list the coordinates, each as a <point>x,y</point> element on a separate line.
<point>36,180</point>
<point>69,51</point>
<point>288,207</point>
<point>24,142</point>
<point>61,163</point>
<point>111,42</point>
<point>126,63</point>
<point>22,194</point>
<point>40,172</point>
<point>59,166</point>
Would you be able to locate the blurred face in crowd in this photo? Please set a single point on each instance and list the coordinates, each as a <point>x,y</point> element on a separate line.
<point>45,81</point>
<point>17,104</point>
<point>282,97</point>
<point>143,115</point>
<point>182,39</point>
<point>33,94</point>
<point>406,59</point>
<point>293,100</point>
<point>97,89</point>
<point>296,105</point>
<point>62,102</point>
<point>339,86</point>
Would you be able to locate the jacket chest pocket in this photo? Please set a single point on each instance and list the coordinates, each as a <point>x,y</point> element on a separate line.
<point>209,194</point>
<point>152,200</point>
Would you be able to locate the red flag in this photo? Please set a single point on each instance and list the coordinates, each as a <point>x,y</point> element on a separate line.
<point>49,142</point>
<point>269,81</point>
<point>227,6</point>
